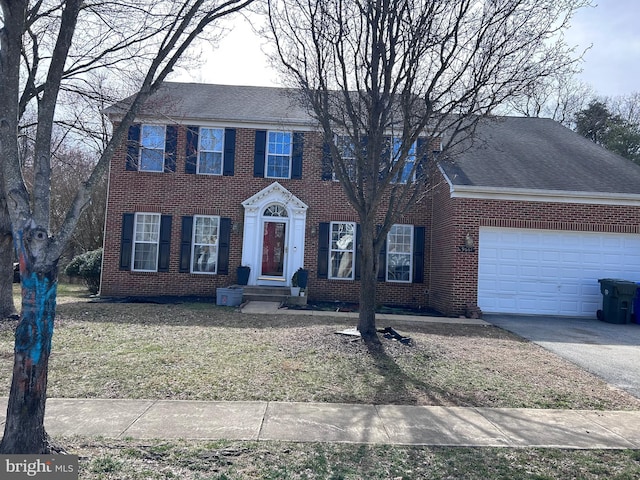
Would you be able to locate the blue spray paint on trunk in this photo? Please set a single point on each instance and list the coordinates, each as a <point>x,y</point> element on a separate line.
<point>35,330</point>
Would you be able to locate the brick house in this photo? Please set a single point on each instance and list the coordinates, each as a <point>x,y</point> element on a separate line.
<point>524,220</point>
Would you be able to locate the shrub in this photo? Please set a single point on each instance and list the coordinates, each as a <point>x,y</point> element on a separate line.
<point>88,267</point>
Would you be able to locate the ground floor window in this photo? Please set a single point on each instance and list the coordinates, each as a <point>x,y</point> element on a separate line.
<point>401,259</point>
<point>146,237</point>
<point>342,250</point>
<point>205,244</point>
<point>400,253</point>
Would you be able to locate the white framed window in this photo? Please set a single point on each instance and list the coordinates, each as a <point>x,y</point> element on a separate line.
<point>342,246</point>
<point>279,148</point>
<point>146,239</point>
<point>347,152</point>
<point>206,232</point>
<point>400,254</point>
<point>210,151</point>
<point>406,175</point>
<point>152,142</point>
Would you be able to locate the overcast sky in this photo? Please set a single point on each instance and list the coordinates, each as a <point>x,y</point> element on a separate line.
<point>611,66</point>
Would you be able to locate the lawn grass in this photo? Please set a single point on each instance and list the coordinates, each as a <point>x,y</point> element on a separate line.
<point>119,460</point>
<point>204,352</point>
<point>198,351</point>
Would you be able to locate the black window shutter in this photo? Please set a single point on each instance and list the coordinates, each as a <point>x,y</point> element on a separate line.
<point>185,244</point>
<point>165,243</point>
<point>260,153</point>
<point>126,241</point>
<point>421,157</point>
<point>382,261</point>
<point>133,147</point>
<point>385,162</point>
<point>191,153</point>
<point>296,157</point>
<point>323,250</point>
<point>224,246</point>
<point>229,151</point>
<point>327,166</point>
<point>170,147</point>
<point>418,254</point>
<point>358,251</point>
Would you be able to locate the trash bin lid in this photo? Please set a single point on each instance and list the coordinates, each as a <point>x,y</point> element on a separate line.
<point>625,287</point>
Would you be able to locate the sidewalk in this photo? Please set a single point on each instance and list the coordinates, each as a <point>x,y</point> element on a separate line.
<point>321,422</point>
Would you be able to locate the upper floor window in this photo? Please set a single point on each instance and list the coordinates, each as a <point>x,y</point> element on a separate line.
<point>151,148</point>
<point>206,231</point>
<point>279,148</point>
<point>278,154</point>
<point>347,152</point>
<point>210,151</point>
<point>146,238</point>
<point>406,175</point>
<point>342,250</point>
<point>400,253</point>
<point>152,142</point>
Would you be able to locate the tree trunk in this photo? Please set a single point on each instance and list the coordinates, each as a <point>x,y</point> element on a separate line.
<point>7,307</point>
<point>24,431</point>
<point>368,278</point>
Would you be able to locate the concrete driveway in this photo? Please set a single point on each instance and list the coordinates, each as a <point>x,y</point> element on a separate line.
<point>610,351</point>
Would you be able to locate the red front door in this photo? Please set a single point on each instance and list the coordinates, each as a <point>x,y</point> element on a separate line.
<point>273,249</point>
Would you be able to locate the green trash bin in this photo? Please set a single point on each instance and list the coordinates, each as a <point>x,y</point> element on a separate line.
<point>617,300</point>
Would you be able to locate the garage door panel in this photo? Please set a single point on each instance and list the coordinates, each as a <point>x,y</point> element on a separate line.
<point>571,257</point>
<point>508,288</point>
<point>508,254</point>
<point>529,271</point>
<point>529,255</point>
<point>571,289</point>
<point>551,272</point>
<point>506,270</point>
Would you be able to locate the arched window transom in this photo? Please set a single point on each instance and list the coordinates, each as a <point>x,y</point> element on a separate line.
<point>275,211</point>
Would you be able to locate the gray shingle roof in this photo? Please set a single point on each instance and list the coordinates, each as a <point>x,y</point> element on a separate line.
<point>224,103</point>
<point>540,154</point>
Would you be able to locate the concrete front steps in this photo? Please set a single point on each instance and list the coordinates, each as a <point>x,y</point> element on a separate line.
<point>256,293</point>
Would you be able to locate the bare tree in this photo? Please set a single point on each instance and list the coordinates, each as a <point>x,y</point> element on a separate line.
<point>379,75</point>
<point>627,107</point>
<point>560,97</point>
<point>70,167</point>
<point>45,46</point>
<point>7,307</point>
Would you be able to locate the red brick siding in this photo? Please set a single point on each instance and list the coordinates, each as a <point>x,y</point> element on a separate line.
<point>178,194</point>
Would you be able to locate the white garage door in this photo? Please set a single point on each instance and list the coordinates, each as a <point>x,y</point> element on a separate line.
<point>551,272</point>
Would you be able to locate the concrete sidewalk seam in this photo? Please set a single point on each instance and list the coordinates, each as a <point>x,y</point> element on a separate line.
<point>507,437</point>
<point>384,424</point>
<point>264,417</point>
<point>134,421</point>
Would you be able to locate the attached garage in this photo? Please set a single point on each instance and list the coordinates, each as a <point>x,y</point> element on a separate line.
<point>550,272</point>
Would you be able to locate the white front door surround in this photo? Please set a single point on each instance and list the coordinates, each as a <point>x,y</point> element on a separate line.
<point>273,235</point>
